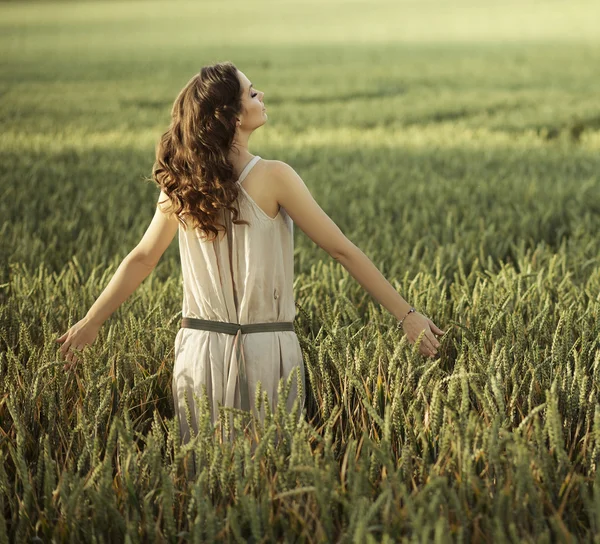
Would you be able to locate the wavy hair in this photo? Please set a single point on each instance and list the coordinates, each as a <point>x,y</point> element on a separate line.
<point>191,164</point>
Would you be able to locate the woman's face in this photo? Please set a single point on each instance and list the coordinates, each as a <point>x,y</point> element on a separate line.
<point>254,111</point>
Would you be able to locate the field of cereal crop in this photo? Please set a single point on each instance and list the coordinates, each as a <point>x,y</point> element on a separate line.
<point>457,144</point>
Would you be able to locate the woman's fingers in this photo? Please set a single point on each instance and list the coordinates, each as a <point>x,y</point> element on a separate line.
<point>429,343</point>
<point>425,350</point>
<point>435,328</point>
<point>421,326</point>
<point>434,341</point>
<point>70,358</point>
<point>426,346</point>
<point>64,349</point>
<point>74,341</point>
<point>67,351</point>
<point>74,358</point>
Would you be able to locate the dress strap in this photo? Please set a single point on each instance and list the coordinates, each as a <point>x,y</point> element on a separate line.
<point>247,168</point>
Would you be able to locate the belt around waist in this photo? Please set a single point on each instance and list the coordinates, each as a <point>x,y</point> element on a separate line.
<point>240,368</point>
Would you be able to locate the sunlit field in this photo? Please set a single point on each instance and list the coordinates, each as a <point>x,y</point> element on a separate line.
<point>456,143</point>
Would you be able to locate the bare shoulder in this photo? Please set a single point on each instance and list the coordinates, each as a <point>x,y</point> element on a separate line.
<point>165,203</point>
<point>278,168</point>
<point>282,177</point>
<point>292,193</point>
<point>271,167</point>
<point>278,175</point>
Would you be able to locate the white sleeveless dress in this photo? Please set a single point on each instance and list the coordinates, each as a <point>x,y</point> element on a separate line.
<point>244,277</point>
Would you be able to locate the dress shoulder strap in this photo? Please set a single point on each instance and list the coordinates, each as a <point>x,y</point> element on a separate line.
<point>247,168</point>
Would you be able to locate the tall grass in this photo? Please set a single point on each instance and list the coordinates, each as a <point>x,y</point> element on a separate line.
<point>461,157</point>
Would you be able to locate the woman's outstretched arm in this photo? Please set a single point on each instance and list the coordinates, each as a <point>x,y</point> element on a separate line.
<point>132,271</point>
<point>292,193</point>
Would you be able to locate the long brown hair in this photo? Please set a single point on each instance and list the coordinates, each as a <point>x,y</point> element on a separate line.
<point>191,164</point>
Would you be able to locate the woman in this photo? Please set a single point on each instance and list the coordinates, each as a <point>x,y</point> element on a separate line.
<point>235,213</point>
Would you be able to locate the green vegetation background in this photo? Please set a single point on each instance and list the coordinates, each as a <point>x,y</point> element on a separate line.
<point>456,143</point>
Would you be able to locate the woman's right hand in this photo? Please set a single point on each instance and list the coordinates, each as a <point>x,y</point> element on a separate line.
<point>413,324</point>
<point>84,332</point>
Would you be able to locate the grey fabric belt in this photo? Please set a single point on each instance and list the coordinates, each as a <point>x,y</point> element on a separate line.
<point>237,329</point>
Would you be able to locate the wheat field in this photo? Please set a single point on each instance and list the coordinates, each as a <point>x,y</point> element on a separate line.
<point>457,144</point>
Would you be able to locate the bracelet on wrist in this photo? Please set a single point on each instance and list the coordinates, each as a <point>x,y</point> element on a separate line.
<point>402,320</point>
